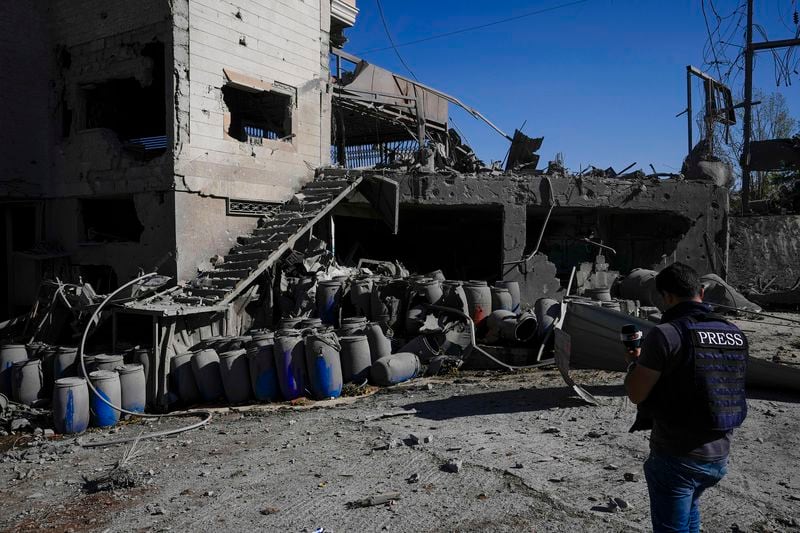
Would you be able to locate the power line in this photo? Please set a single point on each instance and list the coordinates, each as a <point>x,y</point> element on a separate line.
<point>473,28</point>
<point>710,38</point>
<point>391,40</point>
<point>403,61</point>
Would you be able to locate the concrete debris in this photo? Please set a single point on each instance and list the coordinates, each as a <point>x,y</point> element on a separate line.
<point>453,466</point>
<point>20,424</point>
<point>415,440</point>
<point>378,499</point>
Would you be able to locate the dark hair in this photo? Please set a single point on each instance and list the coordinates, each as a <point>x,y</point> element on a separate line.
<point>680,280</point>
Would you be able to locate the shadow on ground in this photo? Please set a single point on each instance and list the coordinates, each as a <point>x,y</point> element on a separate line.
<point>504,402</point>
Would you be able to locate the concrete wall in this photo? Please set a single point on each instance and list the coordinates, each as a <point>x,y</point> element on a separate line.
<point>95,41</point>
<point>763,248</point>
<point>203,229</point>
<point>24,98</point>
<point>155,212</point>
<point>272,40</point>
<point>703,205</point>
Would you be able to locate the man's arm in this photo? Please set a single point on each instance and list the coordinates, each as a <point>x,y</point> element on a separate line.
<point>644,372</point>
<point>639,381</point>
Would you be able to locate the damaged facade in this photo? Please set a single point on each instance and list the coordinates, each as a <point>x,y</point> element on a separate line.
<point>148,134</point>
<point>206,141</point>
<point>157,132</point>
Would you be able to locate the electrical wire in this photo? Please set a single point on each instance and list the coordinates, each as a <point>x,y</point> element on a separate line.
<point>710,38</point>
<point>477,27</point>
<point>202,413</point>
<point>405,64</point>
<point>391,40</point>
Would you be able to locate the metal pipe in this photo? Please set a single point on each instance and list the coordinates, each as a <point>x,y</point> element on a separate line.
<point>610,249</point>
<point>474,343</point>
<point>535,251</point>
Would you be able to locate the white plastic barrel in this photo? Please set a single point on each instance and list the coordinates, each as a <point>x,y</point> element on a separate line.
<point>235,374</point>
<point>26,381</point>
<point>70,405</point>
<point>205,365</point>
<point>133,387</point>
<point>108,387</point>
<point>183,378</point>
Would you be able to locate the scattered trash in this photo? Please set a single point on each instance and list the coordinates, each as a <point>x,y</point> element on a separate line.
<point>378,499</point>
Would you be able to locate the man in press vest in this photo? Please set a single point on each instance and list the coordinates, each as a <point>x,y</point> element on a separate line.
<point>688,381</point>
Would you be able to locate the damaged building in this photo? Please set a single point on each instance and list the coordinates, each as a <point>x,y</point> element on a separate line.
<point>148,135</point>
<point>152,136</point>
<point>235,148</point>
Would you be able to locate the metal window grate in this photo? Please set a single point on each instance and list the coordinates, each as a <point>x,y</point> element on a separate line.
<point>158,142</point>
<point>381,154</point>
<point>250,207</point>
<point>256,132</point>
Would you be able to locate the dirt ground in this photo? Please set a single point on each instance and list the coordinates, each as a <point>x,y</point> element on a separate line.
<point>534,458</point>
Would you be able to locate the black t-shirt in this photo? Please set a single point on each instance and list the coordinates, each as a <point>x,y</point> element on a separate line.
<point>661,351</point>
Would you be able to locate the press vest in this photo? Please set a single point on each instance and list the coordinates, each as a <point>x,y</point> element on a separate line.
<point>706,390</point>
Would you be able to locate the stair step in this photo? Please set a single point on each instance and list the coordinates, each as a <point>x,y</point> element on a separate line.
<point>287,225</point>
<point>210,293</point>
<point>315,195</point>
<point>293,228</point>
<point>225,283</point>
<point>326,184</point>
<point>229,273</point>
<point>239,264</point>
<point>259,244</point>
<point>258,255</point>
<point>292,215</point>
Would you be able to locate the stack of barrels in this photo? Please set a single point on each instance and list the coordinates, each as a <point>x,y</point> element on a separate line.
<point>352,337</point>
<point>37,374</point>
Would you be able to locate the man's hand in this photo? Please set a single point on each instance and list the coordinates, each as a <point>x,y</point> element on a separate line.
<point>632,355</point>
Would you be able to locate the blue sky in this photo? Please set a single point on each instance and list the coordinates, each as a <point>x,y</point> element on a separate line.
<point>602,81</point>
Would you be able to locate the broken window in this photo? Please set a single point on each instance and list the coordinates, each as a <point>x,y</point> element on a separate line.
<point>135,112</point>
<point>110,220</point>
<point>258,115</point>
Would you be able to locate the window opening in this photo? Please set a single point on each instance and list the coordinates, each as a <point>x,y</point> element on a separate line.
<point>256,116</point>
<point>110,220</point>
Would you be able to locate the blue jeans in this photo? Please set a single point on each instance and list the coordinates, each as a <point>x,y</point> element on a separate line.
<point>675,485</point>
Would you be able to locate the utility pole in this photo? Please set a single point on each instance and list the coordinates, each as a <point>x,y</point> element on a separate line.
<point>748,108</point>
<point>749,50</point>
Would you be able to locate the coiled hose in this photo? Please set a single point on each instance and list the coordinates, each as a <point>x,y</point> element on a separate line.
<point>206,415</point>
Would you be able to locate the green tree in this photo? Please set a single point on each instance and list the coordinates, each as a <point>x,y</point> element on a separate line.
<point>771,120</point>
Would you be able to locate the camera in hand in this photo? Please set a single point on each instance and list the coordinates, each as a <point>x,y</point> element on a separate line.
<point>630,336</point>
